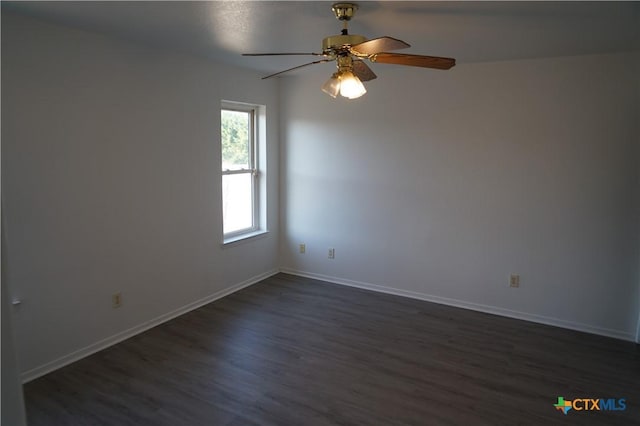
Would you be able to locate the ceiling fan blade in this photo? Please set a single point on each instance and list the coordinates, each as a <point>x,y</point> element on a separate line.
<point>362,71</point>
<point>414,60</point>
<point>282,54</point>
<point>299,66</point>
<point>377,45</point>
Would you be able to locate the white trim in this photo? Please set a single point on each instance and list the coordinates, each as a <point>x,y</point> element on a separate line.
<point>617,334</point>
<point>242,237</point>
<point>119,337</point>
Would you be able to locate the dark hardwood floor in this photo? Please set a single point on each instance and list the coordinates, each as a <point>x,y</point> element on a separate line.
<point>295,351</point>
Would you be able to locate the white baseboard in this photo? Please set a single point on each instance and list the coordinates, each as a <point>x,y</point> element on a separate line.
<point>119,337</point>
<point>617,334</point>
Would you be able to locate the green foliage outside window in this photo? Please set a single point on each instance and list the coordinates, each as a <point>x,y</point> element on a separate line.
<point>235,139</point>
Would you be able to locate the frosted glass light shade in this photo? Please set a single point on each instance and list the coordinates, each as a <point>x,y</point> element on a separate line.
<point>350,86</point>
<point>332,86</point>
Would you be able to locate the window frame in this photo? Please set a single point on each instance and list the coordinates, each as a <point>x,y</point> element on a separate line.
<point>255,133</point>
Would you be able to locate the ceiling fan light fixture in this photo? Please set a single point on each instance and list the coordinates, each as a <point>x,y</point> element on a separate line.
<point>332,86</point>
<point>350,85</point>
<point>346,83</point>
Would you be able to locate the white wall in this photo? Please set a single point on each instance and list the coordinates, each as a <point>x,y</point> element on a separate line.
<point>438,185</point>
<point>12,401</point>
<point>110,182</point>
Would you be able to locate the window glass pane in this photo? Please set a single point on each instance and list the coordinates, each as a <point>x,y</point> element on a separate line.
<point>237,205</point>
<point>235,129</point>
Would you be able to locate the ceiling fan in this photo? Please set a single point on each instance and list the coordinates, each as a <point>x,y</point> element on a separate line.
<point>349,52</point>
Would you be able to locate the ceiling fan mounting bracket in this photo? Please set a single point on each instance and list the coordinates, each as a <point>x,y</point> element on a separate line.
<point>344,11</point>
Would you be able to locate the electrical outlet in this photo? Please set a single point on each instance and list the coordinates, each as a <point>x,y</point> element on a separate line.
<point>332,253</point>
<point>116,300</point>
<point>303,248</point>
<point>514,280</point>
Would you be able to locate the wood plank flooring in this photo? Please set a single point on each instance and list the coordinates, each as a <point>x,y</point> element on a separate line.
<point>296,351</point>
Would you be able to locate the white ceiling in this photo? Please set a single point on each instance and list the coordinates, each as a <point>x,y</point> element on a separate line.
<point>467,31</point>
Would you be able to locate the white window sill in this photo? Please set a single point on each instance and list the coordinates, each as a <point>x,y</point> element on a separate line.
<point>237,239</point>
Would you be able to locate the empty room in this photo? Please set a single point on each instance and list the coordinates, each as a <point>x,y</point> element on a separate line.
<point>320,213</point>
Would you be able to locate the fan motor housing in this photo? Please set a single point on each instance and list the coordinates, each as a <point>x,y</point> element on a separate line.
<point>339,41</point>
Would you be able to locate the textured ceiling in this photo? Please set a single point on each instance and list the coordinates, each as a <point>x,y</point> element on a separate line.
<point>467,31</point>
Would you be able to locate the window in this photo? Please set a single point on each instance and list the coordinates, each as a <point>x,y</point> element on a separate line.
<point>241,186</point>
